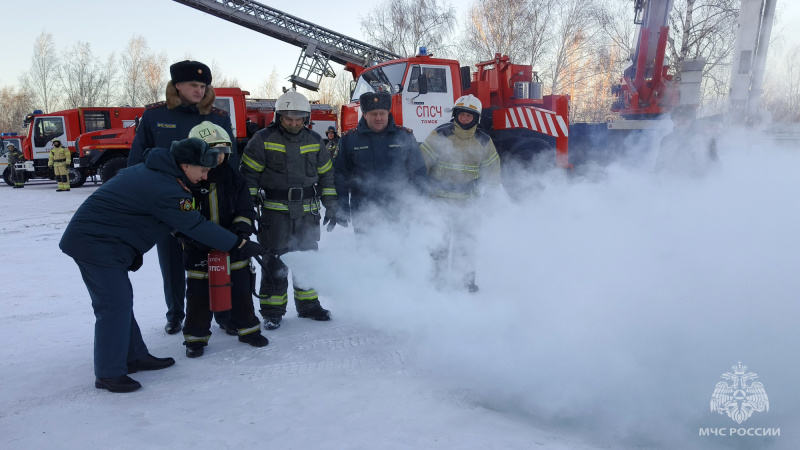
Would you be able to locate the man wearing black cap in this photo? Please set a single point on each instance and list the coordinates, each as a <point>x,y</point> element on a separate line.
<point>377,162</point>
<point>190,101</point>
<point>121,221</point>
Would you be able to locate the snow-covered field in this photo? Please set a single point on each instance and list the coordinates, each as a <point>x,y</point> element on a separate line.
<point>609,308</point>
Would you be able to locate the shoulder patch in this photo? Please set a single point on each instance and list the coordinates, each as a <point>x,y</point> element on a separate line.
<point>186,204</point>
<point>219,111</point>
<point>400,127</point>
<point>155,105</point>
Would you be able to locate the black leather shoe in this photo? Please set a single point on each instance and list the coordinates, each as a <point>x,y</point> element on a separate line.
<point>255,339</point>
<point>149,362</point>
<point>122,383</point>
<point>173,327</point>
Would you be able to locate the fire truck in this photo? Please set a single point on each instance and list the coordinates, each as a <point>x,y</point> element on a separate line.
<point>105,152</point>
<point>67,125</point>
<point>5,139</point>
<point>523,124</point>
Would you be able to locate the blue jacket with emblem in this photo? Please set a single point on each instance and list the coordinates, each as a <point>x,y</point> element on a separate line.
<point>127,215</point>
<point>377,167</point>
<point>169,121</point>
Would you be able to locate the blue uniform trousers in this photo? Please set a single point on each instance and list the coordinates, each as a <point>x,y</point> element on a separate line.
<point>170,258</point>
<point>117,339</point>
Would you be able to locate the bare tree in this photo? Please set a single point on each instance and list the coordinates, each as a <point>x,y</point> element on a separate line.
<point>14,105</point>
<point>134,76</point>
<point>400,26</point>
<point>110,94</point>
<point>270,87</point>
<point>220,80</point>
<point>41,80</point>
<point>155,78</point>
<point>519,29</point>
<point>575,31</point>
<point>82,77</point>
<point>334,91</point>
<point>781,95</point>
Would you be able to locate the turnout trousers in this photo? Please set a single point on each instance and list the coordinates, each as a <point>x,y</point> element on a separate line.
<point>281,234</point>
<point>242,314</point>
<point>117,338</point>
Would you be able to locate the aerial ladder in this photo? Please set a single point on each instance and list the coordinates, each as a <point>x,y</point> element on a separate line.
<point>320,45</point>
<point>749,60</point>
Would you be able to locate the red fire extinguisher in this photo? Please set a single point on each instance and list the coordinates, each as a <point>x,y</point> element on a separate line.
<point>219,281</point>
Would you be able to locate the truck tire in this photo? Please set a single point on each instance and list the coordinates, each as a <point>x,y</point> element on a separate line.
<point>76,177</point>
<point>7,176</point>
<point>112,167</point>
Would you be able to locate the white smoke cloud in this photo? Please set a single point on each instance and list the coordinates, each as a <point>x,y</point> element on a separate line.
<point>609,304</point>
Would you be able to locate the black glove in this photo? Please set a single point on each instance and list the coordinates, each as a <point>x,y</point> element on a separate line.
<point>330,220</point>
<point>246,251</point>
<point>137,263</point>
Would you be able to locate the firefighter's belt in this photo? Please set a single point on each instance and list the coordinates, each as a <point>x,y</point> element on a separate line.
<point>291,194</point>
<point>59,160</point>
<point>460,188</point>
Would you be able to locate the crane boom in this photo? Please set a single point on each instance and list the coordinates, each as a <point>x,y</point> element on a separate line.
<point>320,45</point>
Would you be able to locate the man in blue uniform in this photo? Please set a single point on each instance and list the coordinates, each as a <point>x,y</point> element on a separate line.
<point>116,225</point>
<point>377,162</point>
<point>190,101</point>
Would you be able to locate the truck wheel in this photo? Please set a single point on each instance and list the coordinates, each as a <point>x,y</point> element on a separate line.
<point>7,176</point>
<point>111,168</point>
<point>76,177</point>
<point>526,158</point>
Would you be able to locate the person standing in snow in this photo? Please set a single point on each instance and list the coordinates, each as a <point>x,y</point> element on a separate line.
<point>112,230</point>
<point>288,163</point>
<point>190,101</point>
<point>60,160</point>
<point>223,198</point>
<point>377,162</point>
<point>461,160</point>
<point>15,156</point>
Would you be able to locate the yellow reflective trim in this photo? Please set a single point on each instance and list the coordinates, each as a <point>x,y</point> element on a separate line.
<point>306,295</point>
<point>245,331</point>
<point>460,167</point>
<point>325,168</point>
<point>274,147</point>
<point>274,300</point>
<point>196,274</point>
<point>276,206</point>
<point>213,203</point>
<point>190,338</point>
<point>428,150</point>
<point>240,264</point>
<point>249,162</point>
<point>328,191</point>
<point>309,148</point>
<point>253,191</point>
<point>492,159</point>
<point>242,219</point>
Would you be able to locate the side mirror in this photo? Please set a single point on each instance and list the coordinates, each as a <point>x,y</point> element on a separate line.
<point>422,83</point>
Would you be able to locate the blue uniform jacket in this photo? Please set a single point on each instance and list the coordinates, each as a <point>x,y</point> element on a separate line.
<point>159,126</point>
<point>376,167</point>
<point>126,216</point>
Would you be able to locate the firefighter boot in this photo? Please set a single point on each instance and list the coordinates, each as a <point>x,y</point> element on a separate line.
<point>272,323</point>
<point>256,339</point>
<point>194,349</point>
<point>315,313</point>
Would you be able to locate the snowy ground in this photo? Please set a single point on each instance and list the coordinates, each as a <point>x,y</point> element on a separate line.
<point>609,307</point>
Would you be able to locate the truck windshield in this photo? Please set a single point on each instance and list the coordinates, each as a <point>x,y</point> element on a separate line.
<point>385,78</point>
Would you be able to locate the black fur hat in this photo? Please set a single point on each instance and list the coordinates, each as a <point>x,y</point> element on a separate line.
<point>190,71</point>
<point>375,100</point>
<point>194,151</point>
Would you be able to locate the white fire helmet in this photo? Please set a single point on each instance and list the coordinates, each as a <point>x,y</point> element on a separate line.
<point>468,103</point>
<point>293,104</point>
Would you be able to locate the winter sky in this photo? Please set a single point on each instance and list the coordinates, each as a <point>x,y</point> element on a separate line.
<point>182,32</point>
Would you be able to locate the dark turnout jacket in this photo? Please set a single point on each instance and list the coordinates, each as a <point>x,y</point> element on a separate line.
<point>377,167</point>
<point>126,216</point>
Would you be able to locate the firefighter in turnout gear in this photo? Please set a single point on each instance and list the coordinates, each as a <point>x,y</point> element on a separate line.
<point>60,160</point>
<point>15,156</point>
<point>289,165</point>
<point>461,160</point>
<point>223,198</point>
<point>331,141</point>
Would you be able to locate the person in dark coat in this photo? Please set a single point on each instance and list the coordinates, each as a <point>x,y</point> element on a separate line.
<point>377,163</point>
<point>119,223</point>
<point>190,101</point>
<point>331,141</point>
<point>223,198</point>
